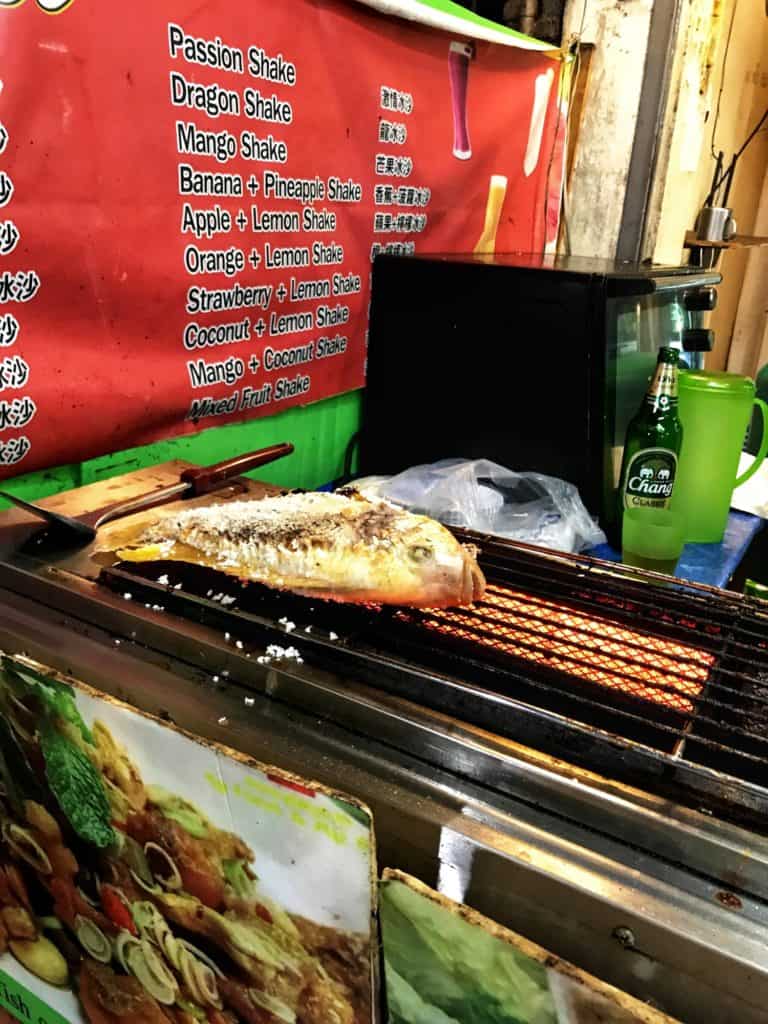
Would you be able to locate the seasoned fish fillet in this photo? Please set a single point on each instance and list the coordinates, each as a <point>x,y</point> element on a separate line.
<point>336,546</point>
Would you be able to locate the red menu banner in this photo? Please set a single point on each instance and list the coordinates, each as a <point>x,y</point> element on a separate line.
<point>191,196</point>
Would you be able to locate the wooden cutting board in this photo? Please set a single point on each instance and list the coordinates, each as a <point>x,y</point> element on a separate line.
<point>100,495</point>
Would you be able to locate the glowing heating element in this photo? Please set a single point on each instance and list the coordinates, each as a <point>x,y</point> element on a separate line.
<point>597,650</point>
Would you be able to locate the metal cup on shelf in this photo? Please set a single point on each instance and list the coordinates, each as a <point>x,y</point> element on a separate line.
<point>715,224</point>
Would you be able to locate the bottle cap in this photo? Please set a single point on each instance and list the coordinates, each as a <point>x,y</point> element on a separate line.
<point>668,355</point>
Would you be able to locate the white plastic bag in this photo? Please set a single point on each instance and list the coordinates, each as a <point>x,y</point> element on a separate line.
<point>484,496</point>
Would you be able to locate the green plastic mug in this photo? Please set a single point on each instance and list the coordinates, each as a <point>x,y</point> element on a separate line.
<point>715,410</point>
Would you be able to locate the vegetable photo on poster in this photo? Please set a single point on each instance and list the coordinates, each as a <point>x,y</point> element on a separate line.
<point>130,889</point>
<point>191,197</point>
<point>446,964</point>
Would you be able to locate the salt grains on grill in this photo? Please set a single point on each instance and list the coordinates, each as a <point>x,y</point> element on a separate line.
<point>277,653</point>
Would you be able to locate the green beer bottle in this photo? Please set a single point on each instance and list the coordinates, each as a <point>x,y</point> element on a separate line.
<point>652,531</point>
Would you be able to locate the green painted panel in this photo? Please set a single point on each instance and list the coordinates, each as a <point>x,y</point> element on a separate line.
<point>25,1005</point>
<point>320,433</point>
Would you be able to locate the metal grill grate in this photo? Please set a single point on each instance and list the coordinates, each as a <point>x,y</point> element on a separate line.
<point>585,647</point>
<point>623,673</point>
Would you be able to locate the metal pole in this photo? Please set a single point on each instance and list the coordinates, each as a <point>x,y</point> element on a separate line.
<point>662,37</point>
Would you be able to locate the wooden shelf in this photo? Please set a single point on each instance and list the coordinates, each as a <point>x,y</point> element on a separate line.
<point>737,242</point>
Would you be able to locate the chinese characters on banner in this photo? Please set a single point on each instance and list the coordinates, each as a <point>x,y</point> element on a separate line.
<point>17,407</point>
<point>190,199</point>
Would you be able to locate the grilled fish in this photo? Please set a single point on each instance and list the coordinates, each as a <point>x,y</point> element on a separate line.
<point>340,546</point>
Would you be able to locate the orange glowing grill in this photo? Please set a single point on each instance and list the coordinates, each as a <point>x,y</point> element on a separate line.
<point>587,647</point>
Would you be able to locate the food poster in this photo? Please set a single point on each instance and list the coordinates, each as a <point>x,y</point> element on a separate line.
<point>447,964</point>
<point>149,878</point>
<point>191,196</point>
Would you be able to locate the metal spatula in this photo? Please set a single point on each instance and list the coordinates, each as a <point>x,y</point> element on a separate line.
<point>192,483</point>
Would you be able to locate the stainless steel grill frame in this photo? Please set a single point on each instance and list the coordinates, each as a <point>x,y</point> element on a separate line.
<point>627,885</point>
<point>706,751</point>
<point>607,867</point>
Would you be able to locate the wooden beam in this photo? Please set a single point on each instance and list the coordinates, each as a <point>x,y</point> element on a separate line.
<point>577,105</point>
<point>749,342</point>
<point>737,242</point>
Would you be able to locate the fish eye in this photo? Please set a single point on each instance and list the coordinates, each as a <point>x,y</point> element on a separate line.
<point>420,553</point>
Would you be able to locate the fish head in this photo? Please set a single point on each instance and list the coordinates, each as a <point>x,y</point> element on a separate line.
<point>440,571</point>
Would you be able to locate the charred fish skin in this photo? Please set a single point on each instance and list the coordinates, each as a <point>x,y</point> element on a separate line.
<point>336,546</point>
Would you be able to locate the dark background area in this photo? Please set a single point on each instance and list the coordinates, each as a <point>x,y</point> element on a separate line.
<point>493,9</point>
<point>540,18</point>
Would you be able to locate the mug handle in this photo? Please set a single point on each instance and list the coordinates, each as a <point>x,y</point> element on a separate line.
<point>762,451</point>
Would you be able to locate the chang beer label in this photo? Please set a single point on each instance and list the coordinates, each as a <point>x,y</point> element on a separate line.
<point>650,479</point>
<point>662,394</point>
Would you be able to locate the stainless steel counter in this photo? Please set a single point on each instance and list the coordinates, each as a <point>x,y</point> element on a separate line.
<point>662,901</point>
